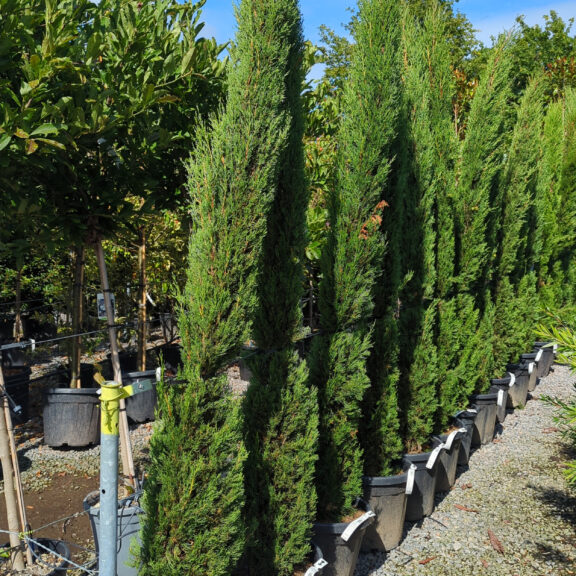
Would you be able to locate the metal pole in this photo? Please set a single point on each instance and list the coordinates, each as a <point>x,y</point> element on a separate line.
<point>111,393</point>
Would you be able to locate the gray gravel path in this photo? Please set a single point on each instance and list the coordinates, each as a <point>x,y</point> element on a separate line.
<point>512,496</point>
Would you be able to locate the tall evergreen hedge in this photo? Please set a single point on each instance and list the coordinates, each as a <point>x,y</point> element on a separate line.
<point>281,411</point>
<point>352,259</point>
<point>195,490</point>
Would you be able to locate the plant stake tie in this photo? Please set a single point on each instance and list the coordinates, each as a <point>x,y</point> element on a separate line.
<point>111,394</point>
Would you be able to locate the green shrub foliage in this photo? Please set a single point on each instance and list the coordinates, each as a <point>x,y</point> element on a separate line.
<point>352,259</point>
<point>195,489</point>
<point>281,411</point>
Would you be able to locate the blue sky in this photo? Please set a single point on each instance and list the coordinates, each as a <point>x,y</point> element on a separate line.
<point>488,16</point>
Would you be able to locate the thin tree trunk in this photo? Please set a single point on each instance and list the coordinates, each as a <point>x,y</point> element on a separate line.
<point>18,331</point>
<point>9,488</point>
<point>125,445</point>
<point>77,314</point>
<point>142,290</point>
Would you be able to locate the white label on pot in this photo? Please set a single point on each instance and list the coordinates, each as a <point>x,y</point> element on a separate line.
<point>450,440</point>
<point>355,524</point>
<point>530,367</point>
<point>434,456</point>
<point>555,348</point>
<point>158,374</point>
<point>316,568</point>
<point>539,355</point>
<point>410,479</point>
<point>472,410</point>
<point>512,379</point>
<point>500,397</point>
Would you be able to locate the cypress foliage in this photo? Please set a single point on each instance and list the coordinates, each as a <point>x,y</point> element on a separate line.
<point>513,298</point>
<point>428,93</point>
<point>195,490</point>
<point>353,255</point>
<point>281,411</point>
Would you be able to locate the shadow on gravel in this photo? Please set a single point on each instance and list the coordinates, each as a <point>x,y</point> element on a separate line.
<point>550,554</point>
<point>561,503</point>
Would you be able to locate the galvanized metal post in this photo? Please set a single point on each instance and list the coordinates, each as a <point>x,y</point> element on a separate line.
<point>111,394</point>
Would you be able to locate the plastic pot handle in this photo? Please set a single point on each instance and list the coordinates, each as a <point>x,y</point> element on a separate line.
<point>316,567</point>
<point>410,479</point>
<point>512,379</point>
<point>434,455</point>
<point>539,355</point>
<point>355,524</point>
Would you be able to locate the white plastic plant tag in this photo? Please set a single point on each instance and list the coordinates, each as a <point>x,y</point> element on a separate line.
<point>539,355</point>
<point>434,456</point>
<point>410,479</point>
<point>316,568</point>
<point>158,374</point>
<point>500,397</point>
<point>530,367</point>
<point>450,440</point>
<point>555,348</point>
<point>32,344</point>
<point>512,379</point>
<point>355,524</point>
<point>472,410</point>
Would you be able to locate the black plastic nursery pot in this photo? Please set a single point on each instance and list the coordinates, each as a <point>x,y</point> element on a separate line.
<point>447,467</point>
<point>515,386</point>
<point>525,370</point>
<point>500,388</point>
<point>538,363</point>
<point>420,502</point>
<point>17,383</point>
<point>465,419</point>
<point>386,496</point>
<point>319,562</point>
<point>548,354</point>
<point>485,423</point>
<point>340,543</point>
<point>129,520</point>
<point>141,407</point>
<point>71,417</point>
<point>52,555</point>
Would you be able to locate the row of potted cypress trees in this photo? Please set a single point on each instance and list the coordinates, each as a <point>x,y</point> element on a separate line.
<point>440,246</point>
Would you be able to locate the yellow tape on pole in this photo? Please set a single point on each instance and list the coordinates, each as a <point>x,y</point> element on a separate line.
<point>111,394</point>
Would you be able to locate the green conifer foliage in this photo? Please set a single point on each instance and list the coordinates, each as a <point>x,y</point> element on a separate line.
<point>429,89</point>
<point>513,316</point>
<point>352,259</point>
<point>195,490</point>
<point>281,410</point>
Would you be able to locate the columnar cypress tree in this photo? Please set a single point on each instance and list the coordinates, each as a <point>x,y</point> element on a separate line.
<point>428,93</point>
<point>514,318</point>
<point>281,410</point>
<point>480,163</point>
<point>555,204</point>
<point>195,491</point>
<point>353,255</point>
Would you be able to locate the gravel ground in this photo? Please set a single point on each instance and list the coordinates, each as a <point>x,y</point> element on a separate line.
<point>510,512</point>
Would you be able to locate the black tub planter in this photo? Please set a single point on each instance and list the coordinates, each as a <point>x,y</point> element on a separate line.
<point>319,562</point>
<point>525,370</point>
<point>420,502</point>
<point>386,496</point>
<point>515,386</point>
<point>129,519</point>
<point>141,407</point>
<point>446,473</point>
<point>500,386</point>
<point>17,383</point>
<point>538,363</point>
<point>548,350</point>
<point>466,419</point>
<point>485,423</point>
<point>71,417</point>
<point>57,549</point>
<point>340,543</point>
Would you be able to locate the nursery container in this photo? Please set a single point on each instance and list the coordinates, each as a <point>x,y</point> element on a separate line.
<point>525,370</point>
<point>420,502</point>
<point>71,417</point>
<point>485,423</point>
<point>129,517</point>
<point>386,496</point>
<point>548,354</point>
<point>540,366</point>
<point>500,386</point>
<point>465,419</point>
<point>340,543</point>
<point>446,473</point>
<point>515,386</point>
<point>141,407</point>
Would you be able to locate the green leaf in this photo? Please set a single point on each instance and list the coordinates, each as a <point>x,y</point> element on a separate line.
<point>44,130</point>
<point>4,141</point>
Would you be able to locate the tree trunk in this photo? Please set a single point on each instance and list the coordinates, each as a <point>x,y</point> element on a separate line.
<point>18,331</point>
<point>142,293</point>
<point>77,315</point>
<point>17,558</point>
<point>126,450</point>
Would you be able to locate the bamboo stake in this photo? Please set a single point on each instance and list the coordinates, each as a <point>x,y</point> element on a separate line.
<point>9,487</point>
<point>142,300</point>
<point>125,445</point>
